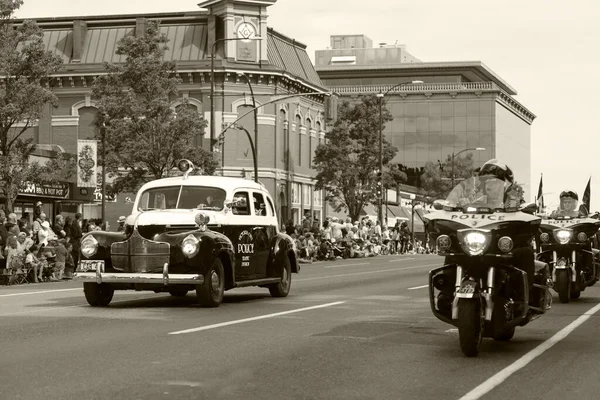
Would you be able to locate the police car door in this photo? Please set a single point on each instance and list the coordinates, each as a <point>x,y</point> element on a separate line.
<point>262,233</point>
<point>240,232</point>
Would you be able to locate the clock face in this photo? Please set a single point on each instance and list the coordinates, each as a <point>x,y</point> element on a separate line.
<point>245,30</point>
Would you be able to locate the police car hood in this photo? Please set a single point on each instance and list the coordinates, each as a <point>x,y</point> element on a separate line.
<point>173,217</point>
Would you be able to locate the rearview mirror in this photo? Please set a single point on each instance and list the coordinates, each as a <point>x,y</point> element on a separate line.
<point>528,208</point>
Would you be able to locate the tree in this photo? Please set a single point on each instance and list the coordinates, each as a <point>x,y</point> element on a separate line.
<point>347,163</point>
<point>144,136</point>
<point>436,178</point>
<point>25,69</point>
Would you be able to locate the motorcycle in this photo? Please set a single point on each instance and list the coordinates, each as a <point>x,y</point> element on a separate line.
<point>478,289</point>
<point>565,243</point>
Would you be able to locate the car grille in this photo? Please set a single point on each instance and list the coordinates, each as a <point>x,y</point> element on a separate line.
<point>138,254</point>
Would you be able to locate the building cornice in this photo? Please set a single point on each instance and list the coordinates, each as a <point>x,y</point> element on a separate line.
<point>412,69</point>
<point>428,89</point>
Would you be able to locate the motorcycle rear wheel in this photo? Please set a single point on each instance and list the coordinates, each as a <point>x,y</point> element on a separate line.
<point>470,326</point>
<point>563,285</point>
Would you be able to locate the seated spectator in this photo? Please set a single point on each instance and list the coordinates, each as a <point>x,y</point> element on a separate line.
<point>33,262</point>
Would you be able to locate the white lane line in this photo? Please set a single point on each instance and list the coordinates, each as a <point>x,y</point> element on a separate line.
<point>503,375</point>
<point>402,259</point>
<point>364,273</point>
<point>347,265</point>
<point>39,292</point>
<point>417,287</point>
<point>241,321</point>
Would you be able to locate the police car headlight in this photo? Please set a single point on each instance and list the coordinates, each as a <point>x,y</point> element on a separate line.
<point>563,236</point>
<point>190,246</point>
<point>89,246</point>
<point>474,243</point>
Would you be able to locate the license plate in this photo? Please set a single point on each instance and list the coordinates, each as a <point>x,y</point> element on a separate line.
<point>467,288</point>
<point>91,265</point>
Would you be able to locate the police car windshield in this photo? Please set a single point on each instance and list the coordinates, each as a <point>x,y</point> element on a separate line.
<point>478,191</point>
<point>182,198</point>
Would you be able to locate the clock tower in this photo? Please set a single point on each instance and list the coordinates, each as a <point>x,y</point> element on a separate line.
<point>239,19</point>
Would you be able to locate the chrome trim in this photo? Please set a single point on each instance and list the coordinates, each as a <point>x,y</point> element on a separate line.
<point>138,254</point>
<point>487,294</point>
<point>120,277</point>
<point>573,270</point>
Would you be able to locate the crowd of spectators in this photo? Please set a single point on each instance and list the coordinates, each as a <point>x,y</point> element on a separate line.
<point>334,239</point>
<point>39,251</point>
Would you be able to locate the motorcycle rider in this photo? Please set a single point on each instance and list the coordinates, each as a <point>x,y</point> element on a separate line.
<point>500,191</point>
<point>568,206</point>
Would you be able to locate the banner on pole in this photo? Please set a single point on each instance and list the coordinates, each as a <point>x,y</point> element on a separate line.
<point>87,163</point>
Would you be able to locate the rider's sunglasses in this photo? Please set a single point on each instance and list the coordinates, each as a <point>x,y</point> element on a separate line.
<point>569,193</point>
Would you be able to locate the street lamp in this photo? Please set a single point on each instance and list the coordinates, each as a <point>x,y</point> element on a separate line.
<point>103,131</point>
<point>255,112</point>
<point>412,231</point>
<point>251,148</point>
<point>381,96</point>
<point>212,81</point>
<point>454,155</point>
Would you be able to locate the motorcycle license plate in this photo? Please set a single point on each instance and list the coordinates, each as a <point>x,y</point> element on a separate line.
<point>91,265</point>
<point>466,288</point>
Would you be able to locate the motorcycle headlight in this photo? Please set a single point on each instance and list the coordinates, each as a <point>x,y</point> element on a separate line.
<point>474,243</point>
<point>505,244</point>
<point>190,246</point>
<point>443,242</point>
<point>563,236</point>
<point>89,246</point>
<point>582,237</point>
<point>544,237</point>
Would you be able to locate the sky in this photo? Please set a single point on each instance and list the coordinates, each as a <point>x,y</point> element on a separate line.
<point>547,51</point>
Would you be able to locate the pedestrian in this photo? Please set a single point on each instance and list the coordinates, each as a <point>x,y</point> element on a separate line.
<point>76,235</point>
<point>121,223</point>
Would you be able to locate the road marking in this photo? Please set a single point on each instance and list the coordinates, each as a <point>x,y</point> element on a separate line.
<point>501,376</point>
<point>402,259</point>
<point>347,265</point>
<point>241,321</point>
<point>39,292</point>
<point>363,273</point>
<point>417,287</point>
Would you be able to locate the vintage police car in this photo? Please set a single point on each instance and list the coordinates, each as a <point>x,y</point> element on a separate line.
<point>203,233</point>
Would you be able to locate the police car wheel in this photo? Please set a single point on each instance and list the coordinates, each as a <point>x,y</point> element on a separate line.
<point>210,293</point>
<point>98,295</point>
<point>282,288</point>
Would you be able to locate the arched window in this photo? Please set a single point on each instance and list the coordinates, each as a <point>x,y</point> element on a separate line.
<point>310,151</point>
<point>282,134</point>
<point>299,133</point>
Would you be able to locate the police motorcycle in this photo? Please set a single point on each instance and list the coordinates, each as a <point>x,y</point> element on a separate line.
<point>565,243</point>
<point>479,289</point>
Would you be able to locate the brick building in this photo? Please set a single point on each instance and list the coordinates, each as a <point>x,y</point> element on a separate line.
<point>263,69</point>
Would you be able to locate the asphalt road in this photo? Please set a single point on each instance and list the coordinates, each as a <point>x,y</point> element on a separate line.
<point>350,329</point>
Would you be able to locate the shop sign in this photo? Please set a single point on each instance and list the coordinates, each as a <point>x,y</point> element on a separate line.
<point>60,190</point>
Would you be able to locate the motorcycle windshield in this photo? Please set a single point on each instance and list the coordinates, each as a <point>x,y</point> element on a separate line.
<point>485,191</point>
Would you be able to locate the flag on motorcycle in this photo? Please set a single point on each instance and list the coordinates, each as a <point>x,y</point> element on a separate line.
<point>587,195</point>
<point>540,196</point>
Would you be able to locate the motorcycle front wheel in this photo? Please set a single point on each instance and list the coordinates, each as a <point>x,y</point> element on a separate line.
<point>563,285</point>
<point>470,326</point>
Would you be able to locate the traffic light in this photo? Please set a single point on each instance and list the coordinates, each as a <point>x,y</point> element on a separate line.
<point>378,189</point>
<point>379,176</point>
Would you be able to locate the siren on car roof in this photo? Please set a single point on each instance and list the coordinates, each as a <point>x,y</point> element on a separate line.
<point>185,166</point>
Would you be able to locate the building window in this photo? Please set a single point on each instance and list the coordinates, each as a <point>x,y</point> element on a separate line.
<point>299,132</point>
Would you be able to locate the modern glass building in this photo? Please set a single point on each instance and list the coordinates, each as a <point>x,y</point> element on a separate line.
<point>455,106</point>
